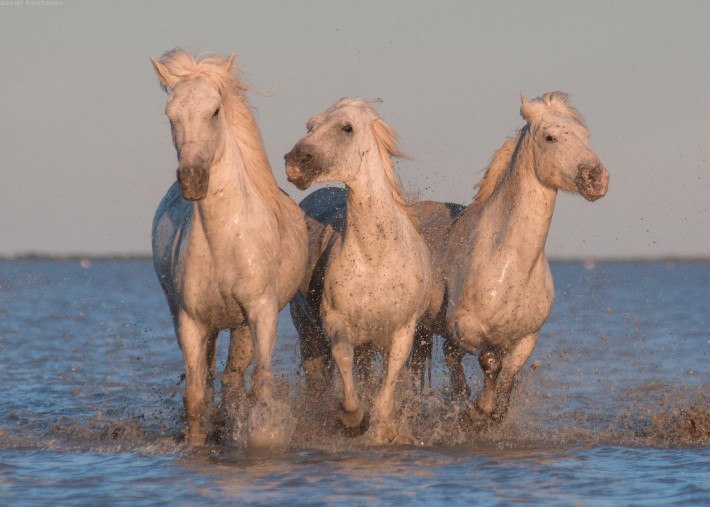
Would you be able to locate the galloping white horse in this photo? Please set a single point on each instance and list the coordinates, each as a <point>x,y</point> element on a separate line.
<point>229,247</point>
<point>374,278</point>
<point>494,287</point>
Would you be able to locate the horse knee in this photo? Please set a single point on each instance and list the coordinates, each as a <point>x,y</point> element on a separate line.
<point>490,362</point>
<point>466,332</point>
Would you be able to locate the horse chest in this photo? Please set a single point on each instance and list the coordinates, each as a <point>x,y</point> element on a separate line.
<point>217,286</point>
<point>523,313</point>
<point>508,303</point>
<point>372,299</point>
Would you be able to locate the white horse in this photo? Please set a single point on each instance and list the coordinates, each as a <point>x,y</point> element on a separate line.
<point>376,268</point>
<point>229,247</point>
<point>493,289</point>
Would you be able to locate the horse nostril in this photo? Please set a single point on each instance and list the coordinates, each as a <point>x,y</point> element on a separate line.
<point>298,156</point>
<point>589,174</point>
<point>304,157</point>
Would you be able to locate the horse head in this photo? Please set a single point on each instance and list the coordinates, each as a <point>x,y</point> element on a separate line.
<point>337,143</point>
<point>197,118</point>
<point>564,159</point>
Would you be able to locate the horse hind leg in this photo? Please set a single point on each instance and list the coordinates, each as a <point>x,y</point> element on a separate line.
<point>316,360</point>
<point>421,358</point>
<point>453,358</point>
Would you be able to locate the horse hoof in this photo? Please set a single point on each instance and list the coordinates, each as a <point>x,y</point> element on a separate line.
<point>387,434</point>
<point>474,418</point>
<point>403,440</point>
<point>270,426</point>
<point>196,439</point>
<point>355,423</point>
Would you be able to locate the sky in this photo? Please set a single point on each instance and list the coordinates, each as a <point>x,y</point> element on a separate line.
<point>86,148</point>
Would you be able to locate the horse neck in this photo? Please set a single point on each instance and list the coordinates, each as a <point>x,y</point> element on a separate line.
<point>372,216</point>
<point>517,216</point>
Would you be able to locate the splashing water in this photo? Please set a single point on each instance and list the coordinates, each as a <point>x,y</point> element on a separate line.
<point>618,383</point>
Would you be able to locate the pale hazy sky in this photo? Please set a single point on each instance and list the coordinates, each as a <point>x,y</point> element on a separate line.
<point>86,150</point>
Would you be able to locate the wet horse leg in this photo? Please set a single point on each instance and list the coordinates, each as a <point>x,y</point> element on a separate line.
<point>352,413</point>
<point>241,351</point>
<point>421,359</point>
<point>399,351</point>
<point>499,377</point>
<point>490,362</point>
<point>513,361</point>
<point>262,323</point>
<point>453,358</point>
<point>194,340</point>
<point>211,367</point>
<point>314,343</point>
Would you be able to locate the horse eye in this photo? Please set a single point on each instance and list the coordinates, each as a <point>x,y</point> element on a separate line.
<point>347,128</point>
<point>550,139</point>
<point>216,113</point>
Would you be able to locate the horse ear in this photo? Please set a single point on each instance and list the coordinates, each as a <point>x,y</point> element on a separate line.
<point>164,75</point>
<point>524,108</point>
<point>230,62</point>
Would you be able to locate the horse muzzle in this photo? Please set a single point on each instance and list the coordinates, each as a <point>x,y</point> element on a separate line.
<point>299,167</point>
<point>193,182</point>
<point>592,181</point>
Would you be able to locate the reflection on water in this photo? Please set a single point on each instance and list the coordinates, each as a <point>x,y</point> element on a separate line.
<point>614,403</point>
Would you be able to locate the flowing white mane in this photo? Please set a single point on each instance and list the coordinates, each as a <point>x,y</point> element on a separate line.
<point>387,145</point>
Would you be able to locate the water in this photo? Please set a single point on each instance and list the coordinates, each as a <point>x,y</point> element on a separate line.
<point>612,409</point>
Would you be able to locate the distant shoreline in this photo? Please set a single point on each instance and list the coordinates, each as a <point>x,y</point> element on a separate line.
<point>148,257</point>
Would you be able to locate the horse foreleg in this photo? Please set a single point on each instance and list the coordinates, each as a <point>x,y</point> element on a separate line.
<point>513,361</point>
<point>384,402</point>
<point>262,323</point>
<point>241,351</point>
<point>352,413</point>
<point>480,411</point>
<point>194,341</point>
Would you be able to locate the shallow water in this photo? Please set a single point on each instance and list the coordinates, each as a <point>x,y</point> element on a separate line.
<point>612,409</point>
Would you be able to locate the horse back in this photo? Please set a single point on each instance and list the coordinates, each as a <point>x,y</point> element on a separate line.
<point>325,215</point>
<point>436,220</point>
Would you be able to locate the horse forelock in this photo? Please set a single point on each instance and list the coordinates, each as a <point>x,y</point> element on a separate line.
<point>185,66</point>
<point>550,103</point>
